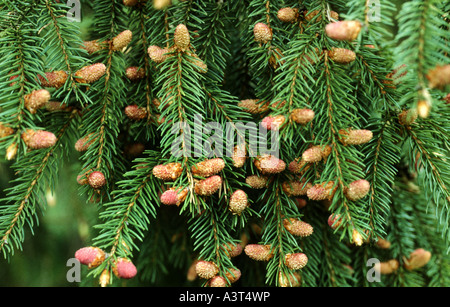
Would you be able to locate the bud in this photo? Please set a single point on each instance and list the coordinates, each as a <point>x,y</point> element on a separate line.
<point>208,186</point>
<point>287,14</point>
<point>124,268</point>
<point>84,143</point>
<point>239,155</point>
<point>355,137</point>
<point>417,259</point>
<point>199,65</point>
<point>174,196</point>
<point>182,37</point>
<point>296,261</point>
<point>233,249</point>
<point>357,238</point>
<point>423,108</point>
<point>388,267</point>
<point>161,4</point>
<point>262,33</point>
<point>36,100</point>
<point>5,131</point>
<point>292,280</point>
<point>383,244</point>
<point>90,256</point>
<point>322,191</point>
<point>104,278</point>
<point>347,30</point>
<point>238,202</point>
<point>258,252</point>
<point>122,40</point>
<point>439,76</point>
<point>11,152</point>
<point>297,227</point>
<point>407,117</point>
<point>342,55</point>
<point>254,106</point>
<point>90,74</point>
<point>206,269</point>
<point>54,79</point>
<point>257,182</point>
<point>208,168</point>
<point>93,46</point>
<point>135,73</point>
<point>300,202</point>
<point>168,172</point>
<point>218,282</point>
<point>334,221</point>
<point>96,180</point>
<point>269,164</point>
<point>233,275</point>
<point>157,54</point>
<point>135,112</point>
<point>273,122</point>
<point>357,189</point>
<point>313,154</point>
<point>302,116</point>
<point>296,188</point>
<point>38,139</point>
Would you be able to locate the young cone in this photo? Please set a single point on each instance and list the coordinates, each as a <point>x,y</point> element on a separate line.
<point>258,252</point>
<point>124,268</point>
<point>347,30</point>
<point>417,259</point>
<point>90,74</point>
<point>257,182</point>
<point>439,76</point>
<point>321,191</point>
<point>96,180</point>
<point>357,189</point>
<point>207,168</point>
<point>135,112</point>
<point>90,256</point>
<point>302,116</point>
<point>182,37</point>
<point>135,73</point>
<point>296,188</point>
<point>36,100</point>
<point>297,227</point>
<point>38,139</point>
<point>287,14</point>
<point>342,55</point>
<point>238,202</point>
<point>84,143</point>
<point>388,267</point>
<point>206,269</point>
<point>157,54</point>
<point>54,79</point>
<point>174,196</point>
<point>122,40</point>
<point>355,137</point>
<point>168,172</point>
<point>262,33</point>
<point>269,165</point>
<point>208,186</point>
<point>296,261</point>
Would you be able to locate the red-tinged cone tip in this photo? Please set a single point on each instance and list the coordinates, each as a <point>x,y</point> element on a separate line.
<point>124,268</point>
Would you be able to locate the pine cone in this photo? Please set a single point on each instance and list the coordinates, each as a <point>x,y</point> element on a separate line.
<point>334,221</point>
<point>208,168</point>
<point>182,37</point>
<point>273,122</point>
<point>239,155</point>
<point>54,79</point>
<point>347,30</point>
<point>269,164</point>
<point>96,180</point>
<point>297,227</point>
<point>296,188</point>
<point>84,143</point>
<point>39,139</point>
<point>355,137</point>
<point>233,249</point>
<point>233,275</point>
<point>287,14</point>
<point>206,269</point>
<point>257,182</point>
<point>124,268</point>
<point>174,196</point>
<point>168,172</point>
<point>5,131</point>
<point>254,106</point>
<point>218,282</point>
<point>158,54</point>
<point>122,40</point>
<point>357,189</point>
<point>258,252</point>
<point>417,259</point>
<point>90,74</point>
<point>292,280</point>
<point>262,33</point>
<point>36,100</point>
<point>135,112</point>
<point>135,73</point>
<point>342,55</point>
<point>388,267</point>
<point>302,116</point>
<point>208,186</point>
<point>313,154</point>
<point>322,191</point>
<point>238,202</point>
<point>296,261</point>
<point>93,46</point>
<point>90,256</point>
